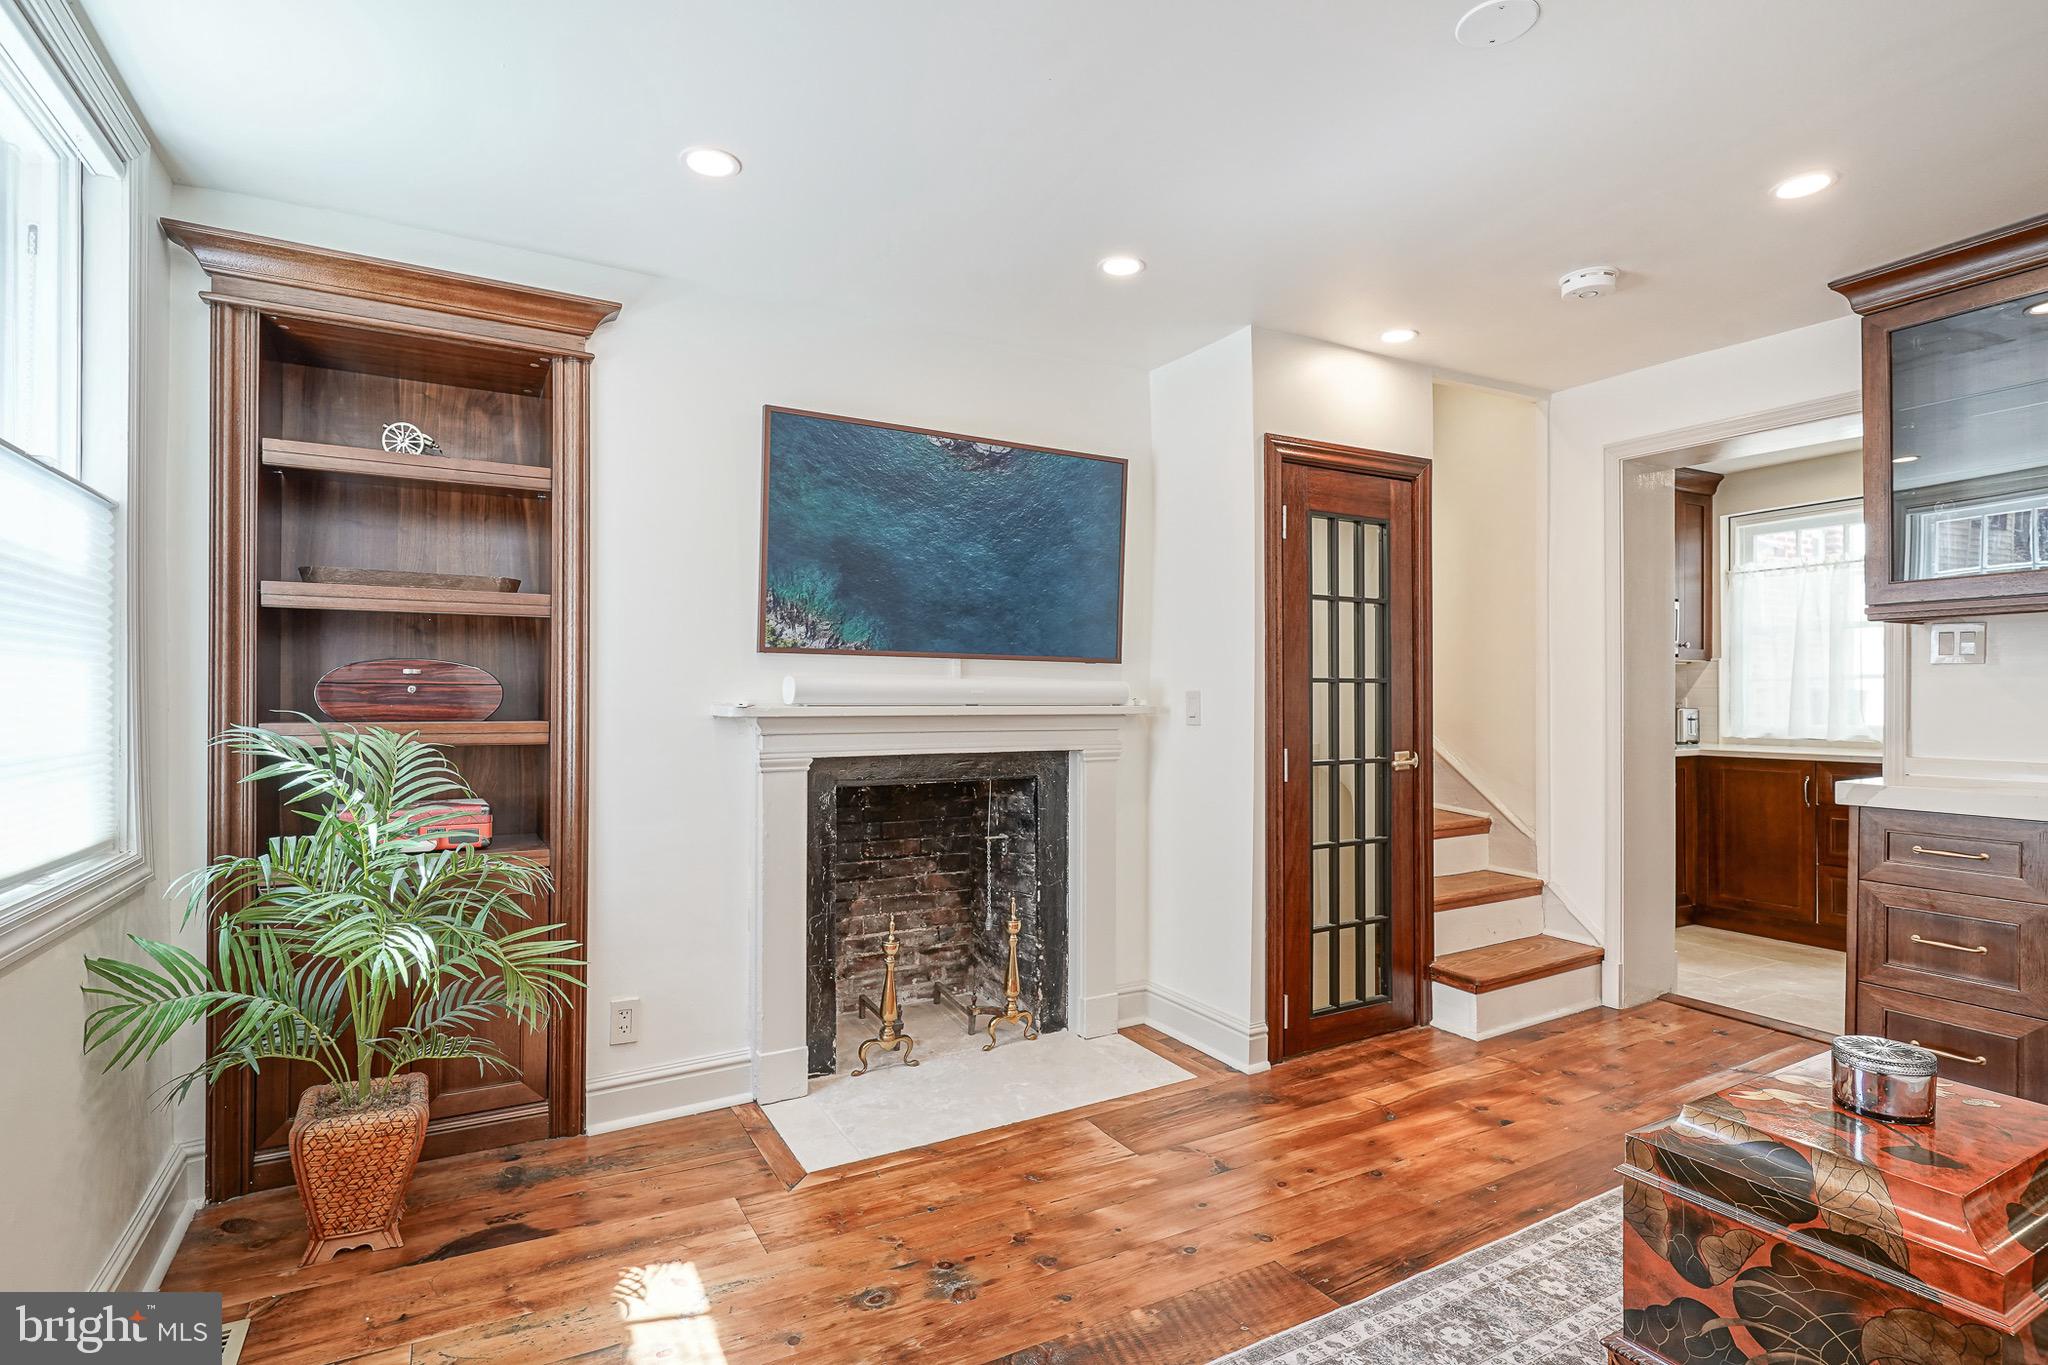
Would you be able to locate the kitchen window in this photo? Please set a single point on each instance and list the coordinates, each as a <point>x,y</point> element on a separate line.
<point>1802,661</point>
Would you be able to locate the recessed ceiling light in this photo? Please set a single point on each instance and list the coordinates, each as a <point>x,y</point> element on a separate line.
<point>1122,267</point>
<point>2039,310</point>
<point>713,163</point>
<point>1394,336</point>
<point>1904,459</point>
<point>1801,185</point>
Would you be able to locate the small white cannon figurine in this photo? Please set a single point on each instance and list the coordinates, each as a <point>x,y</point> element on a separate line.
<point>407,439</point>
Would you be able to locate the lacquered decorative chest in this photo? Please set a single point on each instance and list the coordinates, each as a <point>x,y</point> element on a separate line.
<point>1764,1224</point>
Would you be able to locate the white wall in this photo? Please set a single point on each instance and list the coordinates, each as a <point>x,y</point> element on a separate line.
<point>1488,611</point>
<point>1824,478</point>
<point>1206,901</point>
<point>1587,785</point>
<point>1980,720</point>
<point>677,388</point>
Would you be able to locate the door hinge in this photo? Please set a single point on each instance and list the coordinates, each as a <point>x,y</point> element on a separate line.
<point>1286,766</point>
<point>1285,1011</point>
<point>1283,521</point>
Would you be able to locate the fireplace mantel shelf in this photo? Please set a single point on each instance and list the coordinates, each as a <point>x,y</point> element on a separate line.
<point>780,711</point>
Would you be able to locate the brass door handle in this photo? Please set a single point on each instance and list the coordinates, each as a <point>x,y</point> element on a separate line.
<point>1952,947</point>
<point>1404,759</point>
<point>1951,853</point>
<point>1952,1056</point>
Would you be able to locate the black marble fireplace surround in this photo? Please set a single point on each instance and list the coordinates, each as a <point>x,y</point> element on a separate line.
<point>911,835</point>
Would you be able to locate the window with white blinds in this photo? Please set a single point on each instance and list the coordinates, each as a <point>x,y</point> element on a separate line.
<point>60,731</point>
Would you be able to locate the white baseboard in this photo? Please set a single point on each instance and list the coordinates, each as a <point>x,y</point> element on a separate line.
<point>672,1090</point>
<point>143,1251</point>
<point>1237,1043</point>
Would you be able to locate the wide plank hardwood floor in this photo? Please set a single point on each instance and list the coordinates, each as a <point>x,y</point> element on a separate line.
<point>1168,1227</point>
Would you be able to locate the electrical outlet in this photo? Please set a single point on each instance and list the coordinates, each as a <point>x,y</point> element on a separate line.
<point>626,1020</point>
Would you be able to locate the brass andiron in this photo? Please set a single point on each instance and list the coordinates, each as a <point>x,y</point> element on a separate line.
<point>892,1035</point>
<point>1012,988</point>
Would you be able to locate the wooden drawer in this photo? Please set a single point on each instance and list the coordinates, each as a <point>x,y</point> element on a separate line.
<point>2007,858</point>
<point>1968,948</point>
<point>1989,1048</point>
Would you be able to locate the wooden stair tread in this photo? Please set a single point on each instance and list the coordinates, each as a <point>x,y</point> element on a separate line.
<point>1500,965</point>
<point>1456,890</point>
<point>1451,824</point>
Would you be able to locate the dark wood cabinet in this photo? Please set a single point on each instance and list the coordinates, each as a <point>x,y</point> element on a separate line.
<point>313,352</point>
<point>1955,427</point>
<point>1756,824</point>
<point>1687,888</point>
<point>1692,566</point>
<point>1763,848</point>
<point>1949,947</point>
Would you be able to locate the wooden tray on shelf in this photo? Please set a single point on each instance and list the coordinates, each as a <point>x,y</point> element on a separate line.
<point>401,578</point>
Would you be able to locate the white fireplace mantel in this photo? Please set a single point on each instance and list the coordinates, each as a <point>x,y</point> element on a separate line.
<point>790,737</point>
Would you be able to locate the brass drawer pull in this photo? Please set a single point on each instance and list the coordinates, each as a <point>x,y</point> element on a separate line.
<point>1950,853</point>
<point>1952,947</point>
<point>1952,1056</point>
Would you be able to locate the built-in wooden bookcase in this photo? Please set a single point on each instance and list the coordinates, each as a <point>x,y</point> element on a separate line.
<point>313,352</point>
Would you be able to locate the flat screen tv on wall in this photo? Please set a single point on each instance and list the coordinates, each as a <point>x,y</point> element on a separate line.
<point>881,539</point>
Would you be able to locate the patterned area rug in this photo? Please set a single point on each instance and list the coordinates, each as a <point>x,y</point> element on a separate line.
<point>1543,1296</point>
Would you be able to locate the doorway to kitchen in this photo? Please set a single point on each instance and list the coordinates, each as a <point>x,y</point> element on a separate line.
<point>1753,684</point>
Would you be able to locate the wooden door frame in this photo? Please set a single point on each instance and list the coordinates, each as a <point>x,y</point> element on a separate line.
<point>1282,451</point>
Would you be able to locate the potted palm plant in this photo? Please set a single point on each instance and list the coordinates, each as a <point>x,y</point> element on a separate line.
<point>347,949</point>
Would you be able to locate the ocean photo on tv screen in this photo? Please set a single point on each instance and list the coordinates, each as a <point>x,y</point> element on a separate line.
<point>888,541</point>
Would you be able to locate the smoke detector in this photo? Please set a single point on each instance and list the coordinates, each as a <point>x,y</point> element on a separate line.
<point>1496,23</point>
<point>1594,282</point>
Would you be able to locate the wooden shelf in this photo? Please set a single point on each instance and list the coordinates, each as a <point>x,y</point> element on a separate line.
<point>438,470</point>
<point>427,601</point>
<point>528,846</point>
<point>471,732</point>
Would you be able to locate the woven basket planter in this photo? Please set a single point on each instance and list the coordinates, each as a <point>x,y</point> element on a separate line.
<point>353,1167</point>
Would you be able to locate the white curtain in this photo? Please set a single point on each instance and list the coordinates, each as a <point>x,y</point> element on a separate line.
<point>1802,661</point>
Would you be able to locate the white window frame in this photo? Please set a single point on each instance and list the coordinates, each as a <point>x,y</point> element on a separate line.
<point>49,55</point>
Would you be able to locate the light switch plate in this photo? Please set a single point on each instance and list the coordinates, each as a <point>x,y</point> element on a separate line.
<point>1194,708</point>
<point>1956,642</point>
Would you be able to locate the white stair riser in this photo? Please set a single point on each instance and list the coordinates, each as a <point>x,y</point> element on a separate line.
<point>1466,853</point>
<point>1477,926</point>
<point>1504,1011</point>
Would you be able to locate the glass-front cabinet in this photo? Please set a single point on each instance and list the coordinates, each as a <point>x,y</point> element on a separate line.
<point>1955,402</point>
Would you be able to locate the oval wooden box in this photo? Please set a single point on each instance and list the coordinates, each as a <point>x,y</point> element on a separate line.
<point>408,689</point>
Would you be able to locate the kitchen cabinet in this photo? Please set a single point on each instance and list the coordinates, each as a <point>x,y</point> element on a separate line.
<point>1692,566</point>
<point>1949,948</point>
<point>1955,427</point>
<point>1688,839</point>
<point>1763,848</point>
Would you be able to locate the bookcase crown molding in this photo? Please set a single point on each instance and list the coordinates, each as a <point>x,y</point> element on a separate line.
<point>264,266</point>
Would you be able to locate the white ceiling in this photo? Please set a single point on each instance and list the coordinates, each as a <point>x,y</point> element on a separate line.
<point>1330,167</point>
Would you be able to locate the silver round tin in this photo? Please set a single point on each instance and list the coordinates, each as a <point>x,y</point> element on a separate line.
<point>1885,1079</point>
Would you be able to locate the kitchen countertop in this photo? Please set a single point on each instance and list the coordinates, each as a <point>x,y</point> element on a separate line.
<point>1842,753</point>
<point>1997,800</point>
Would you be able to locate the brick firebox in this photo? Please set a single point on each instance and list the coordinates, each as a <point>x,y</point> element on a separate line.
<point>942,842</point>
